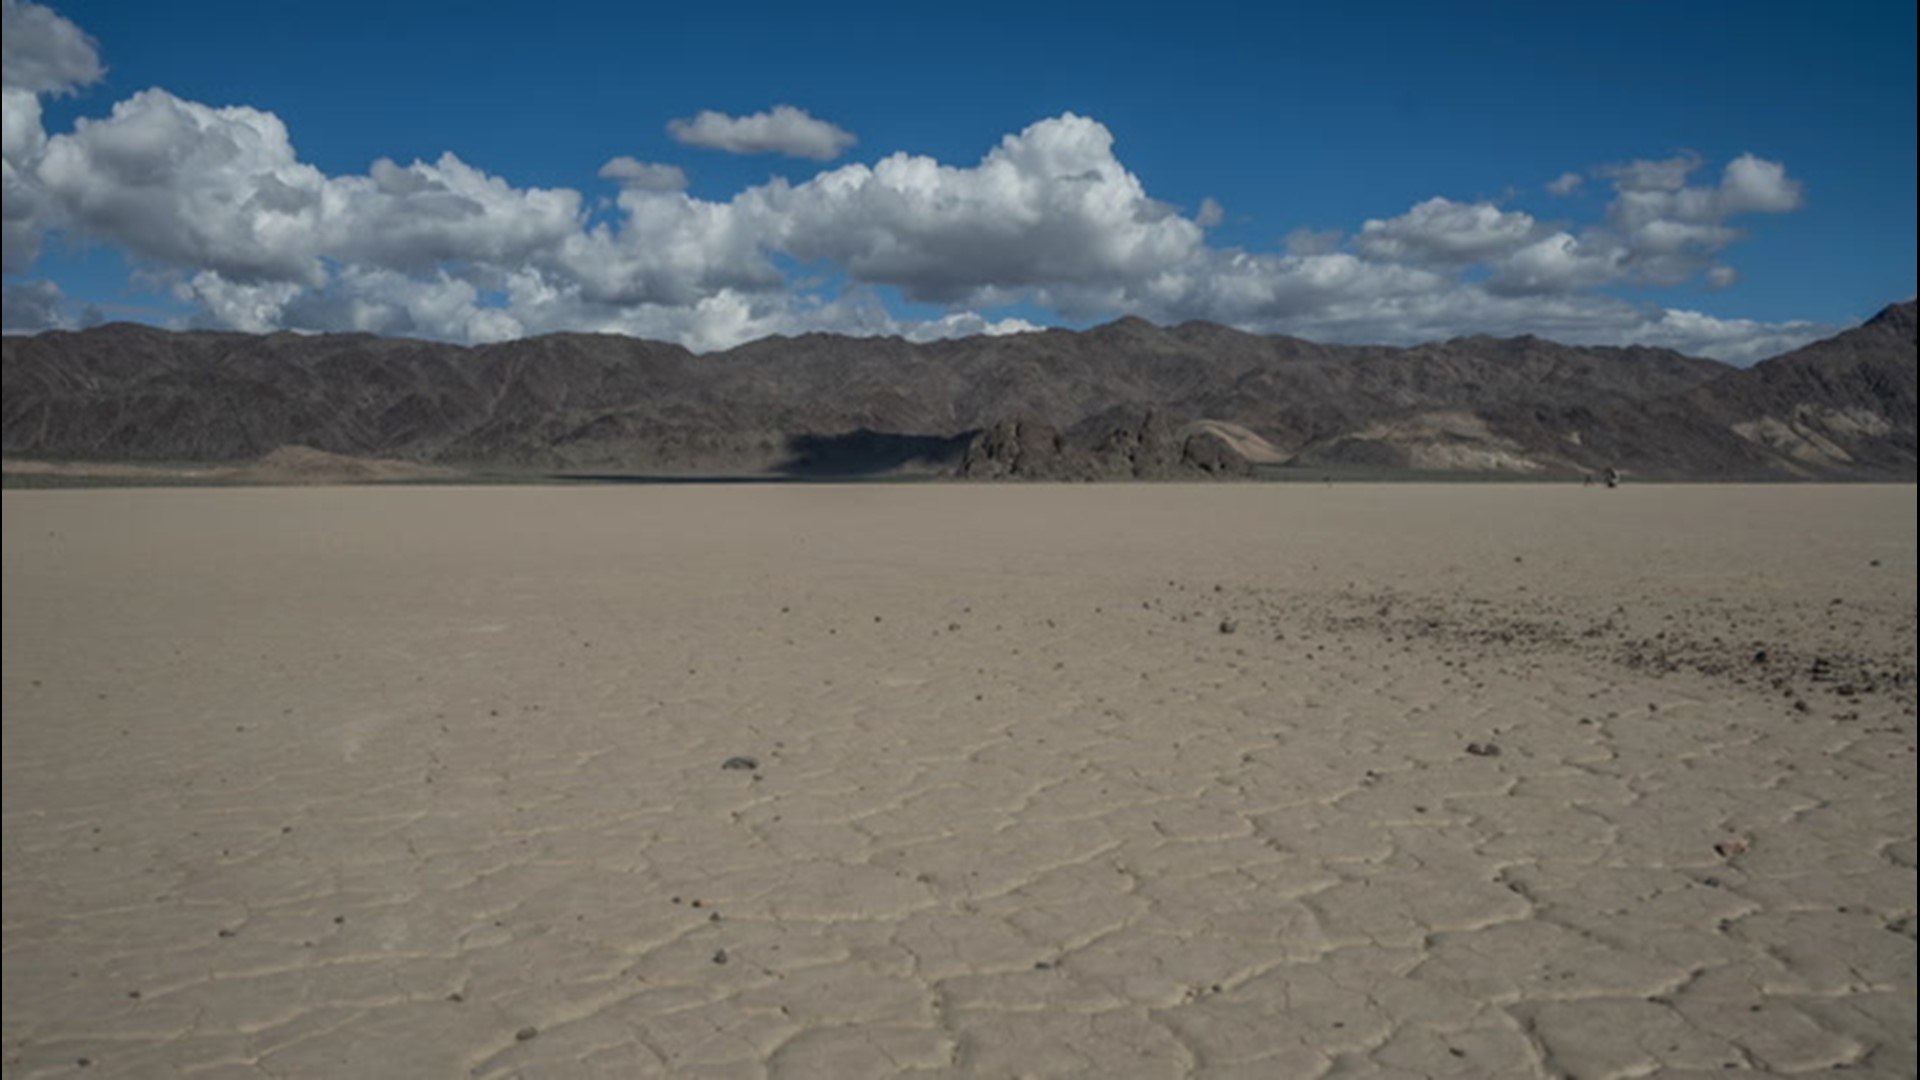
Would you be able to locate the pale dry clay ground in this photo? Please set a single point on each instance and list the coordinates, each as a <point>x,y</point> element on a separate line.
<point>428,782</point>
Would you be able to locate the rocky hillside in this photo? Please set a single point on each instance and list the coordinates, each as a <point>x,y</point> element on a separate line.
<point>1846,403</point>
<point>1128,399</point>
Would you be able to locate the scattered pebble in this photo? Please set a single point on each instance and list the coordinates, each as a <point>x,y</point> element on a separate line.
<point>720,956</point>
<point>1483,749</point>
<point>1229,626</point>
<point>525,1033</point>
<point>740,763</point>
<point>1727,849</point>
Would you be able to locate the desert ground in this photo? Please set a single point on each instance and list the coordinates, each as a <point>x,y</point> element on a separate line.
<point>1028,780</point>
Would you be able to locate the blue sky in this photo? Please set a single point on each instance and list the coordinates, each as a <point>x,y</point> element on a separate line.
<point>1729,179</point>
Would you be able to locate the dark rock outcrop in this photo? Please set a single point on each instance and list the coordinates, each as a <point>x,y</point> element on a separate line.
<point>1209,453</point>
<point>1150,448</point>
<point>1016,449</point>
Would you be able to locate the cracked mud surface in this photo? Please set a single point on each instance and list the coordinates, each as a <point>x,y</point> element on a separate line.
<point>1013,781</point>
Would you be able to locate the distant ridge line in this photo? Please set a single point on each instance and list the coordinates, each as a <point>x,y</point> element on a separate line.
<point>1841,408</point>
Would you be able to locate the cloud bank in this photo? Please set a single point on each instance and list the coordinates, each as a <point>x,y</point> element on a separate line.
<point>215,203</point>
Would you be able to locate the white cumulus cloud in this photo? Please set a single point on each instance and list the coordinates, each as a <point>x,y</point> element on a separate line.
<point>668,248</point>
<point>1050,207</point>
<point>42,52</point>
<point>181,184</point>
<point>1741,341</point>
<point>177,182</point>
<point>23,207</point>
<point>961,324</point>
<point>1558,263</point>
<point>420,215</point>
<point>633,173</point>
<point>1313,241</point>
<point>1443,231</point>
<point>217,205</point>
<point>1666,174</point>
<point>783,129</point>
<point>1669,230</point>
<point>31,306</point>
<point>1566,183</point>
<point>1752,185</point>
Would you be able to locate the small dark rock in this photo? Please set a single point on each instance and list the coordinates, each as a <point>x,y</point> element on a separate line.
<point>1229,626</point>
<point>526,1033</point>
<point>720,956</point>
<point>740,763</point>
<point>1483,749</point>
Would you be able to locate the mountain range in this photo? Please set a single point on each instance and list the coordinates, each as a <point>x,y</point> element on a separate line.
<point>1123,399</point>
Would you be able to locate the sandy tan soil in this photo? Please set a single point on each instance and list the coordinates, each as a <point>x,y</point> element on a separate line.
<point>1255,780</point>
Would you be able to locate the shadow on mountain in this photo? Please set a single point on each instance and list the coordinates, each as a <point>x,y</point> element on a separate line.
<point>868,453</point>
